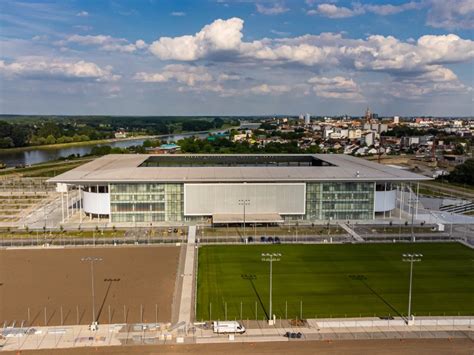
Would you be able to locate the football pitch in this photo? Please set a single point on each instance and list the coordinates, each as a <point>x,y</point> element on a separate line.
<point>348,280</point>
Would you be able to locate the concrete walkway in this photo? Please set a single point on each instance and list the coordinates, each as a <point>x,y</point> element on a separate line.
<point>187,290</point>
<point>351,232</point>
<point>16,339</point>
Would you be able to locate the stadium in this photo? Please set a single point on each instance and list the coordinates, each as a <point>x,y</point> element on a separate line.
<point>226,189</point>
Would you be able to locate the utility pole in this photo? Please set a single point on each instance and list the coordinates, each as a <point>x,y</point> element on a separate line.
<point>411,258</point>
<point>91,260</point>
<point>244,202</point>
<point>271,257</point>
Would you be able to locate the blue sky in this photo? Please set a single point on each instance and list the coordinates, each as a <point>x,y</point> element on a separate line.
<point>237,57</point>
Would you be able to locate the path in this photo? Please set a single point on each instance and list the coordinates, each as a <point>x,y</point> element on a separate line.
<point>351,232</point>
<point>185,306</point>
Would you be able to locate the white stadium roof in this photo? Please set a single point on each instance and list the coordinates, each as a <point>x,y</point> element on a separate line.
<point>182,168</point>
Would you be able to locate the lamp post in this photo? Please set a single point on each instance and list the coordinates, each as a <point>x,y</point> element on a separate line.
<point>92,260</point>
<point>244,202</point>
<point>271,257</point>
<point>411,258</point>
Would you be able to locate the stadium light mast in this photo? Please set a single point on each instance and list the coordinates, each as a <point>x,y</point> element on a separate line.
<point>244,202</point>
<point>271,257</point>
<point>411,258</point>
<point>92,260</point>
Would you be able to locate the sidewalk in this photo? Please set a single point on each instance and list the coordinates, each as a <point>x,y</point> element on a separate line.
<point>316,329</point>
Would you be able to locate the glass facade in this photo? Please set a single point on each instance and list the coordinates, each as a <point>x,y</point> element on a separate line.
<point>339,200</point>
<point>146,202</point>
<point>154,202</point>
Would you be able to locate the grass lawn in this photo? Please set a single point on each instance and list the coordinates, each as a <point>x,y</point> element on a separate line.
<point>335,280</point>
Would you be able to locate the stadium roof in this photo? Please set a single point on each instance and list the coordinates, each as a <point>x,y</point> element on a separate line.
<point>232,168</point>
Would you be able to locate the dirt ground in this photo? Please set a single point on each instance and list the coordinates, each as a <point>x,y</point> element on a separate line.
<point>355,347</point>
<point>129,281</point>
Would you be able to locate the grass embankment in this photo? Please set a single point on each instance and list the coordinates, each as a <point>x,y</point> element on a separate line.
<point>49,169</point>
<point>21,234</point>
<point>335,280</point>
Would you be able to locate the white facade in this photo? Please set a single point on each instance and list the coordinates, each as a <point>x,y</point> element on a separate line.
<point>209,199</point>
<point>96,203</point>
<point>385,200</point>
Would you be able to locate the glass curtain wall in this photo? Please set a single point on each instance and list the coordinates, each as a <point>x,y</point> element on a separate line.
<point>339,200</point>
<point>146,202</point>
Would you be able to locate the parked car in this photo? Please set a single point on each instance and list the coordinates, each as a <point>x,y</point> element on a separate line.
<point>277,240</point>
<point>270,239</point>
<point>263,239</point>
<point>250,240</point>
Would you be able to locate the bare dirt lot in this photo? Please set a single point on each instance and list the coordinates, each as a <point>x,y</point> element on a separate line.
<point>129,281</point>
<point>362,347</point>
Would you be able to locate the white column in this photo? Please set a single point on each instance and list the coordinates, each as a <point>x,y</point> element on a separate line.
<point>67,202</point>
<point>80,204</point>
<point>62,206</point>
<point>417,199</point>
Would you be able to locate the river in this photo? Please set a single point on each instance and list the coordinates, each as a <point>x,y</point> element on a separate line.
<point>42,155</point>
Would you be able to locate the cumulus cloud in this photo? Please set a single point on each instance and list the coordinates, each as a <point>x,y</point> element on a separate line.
<point>333,11</point>
<point>222,41</point>
<point>266,89</point>
<point>274,9</point>
<point>336,87</point>
<point>451,14</point>
<point>82,14</point>
<point>178,13</point>
<point>228,77</point>
<point>40,68</point>
<point>184,74</point>
<point>219,36</point>
<point>106,43</point>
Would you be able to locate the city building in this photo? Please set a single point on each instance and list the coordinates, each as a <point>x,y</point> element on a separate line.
<point>184,188</point>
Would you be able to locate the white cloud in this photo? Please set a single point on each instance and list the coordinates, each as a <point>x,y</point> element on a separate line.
<point>82,14</point>
<point>106,43</point>
<point>266,89</point>
<point>41,67</point>
<point>221,41</point>
<point>336,12</point>
<point>451,14</point>
<point>333,11</point>
<point>219,36</point>
<point>178,13</point>
<point>336,87</point>
<point>228,77</point>
<point>274,9</point>
<point>184,74</point>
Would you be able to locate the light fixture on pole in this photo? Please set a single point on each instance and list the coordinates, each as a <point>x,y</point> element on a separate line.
<point>244,202</point>
<point>411,258</point>
<point>92,259</point>
<point>271,257</point>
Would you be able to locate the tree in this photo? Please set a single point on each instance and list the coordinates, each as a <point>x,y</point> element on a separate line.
<point>463,173</point>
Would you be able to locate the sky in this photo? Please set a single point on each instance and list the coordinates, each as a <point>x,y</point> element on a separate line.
<point>237,57</point>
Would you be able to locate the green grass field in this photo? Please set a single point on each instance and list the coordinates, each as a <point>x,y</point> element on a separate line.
<point>334,280</point>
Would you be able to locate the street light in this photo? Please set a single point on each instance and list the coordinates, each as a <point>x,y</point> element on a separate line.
<point>244,202</point>
<point>411,258</point>
<point>271,257</point>
<point>91,260</point>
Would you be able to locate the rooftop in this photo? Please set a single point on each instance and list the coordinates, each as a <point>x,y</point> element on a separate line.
<point>232,168</point>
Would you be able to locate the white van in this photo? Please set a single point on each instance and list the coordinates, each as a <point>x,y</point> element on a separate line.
<point>228,327</point>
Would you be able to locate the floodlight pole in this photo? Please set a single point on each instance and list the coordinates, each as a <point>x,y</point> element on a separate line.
<point>271,257</point>
<point>411,258</point>
<point>244,202</point>
<point>91,260</point>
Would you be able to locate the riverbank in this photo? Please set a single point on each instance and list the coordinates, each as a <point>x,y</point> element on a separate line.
<point>72,144</point>
<point>106,141</point>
